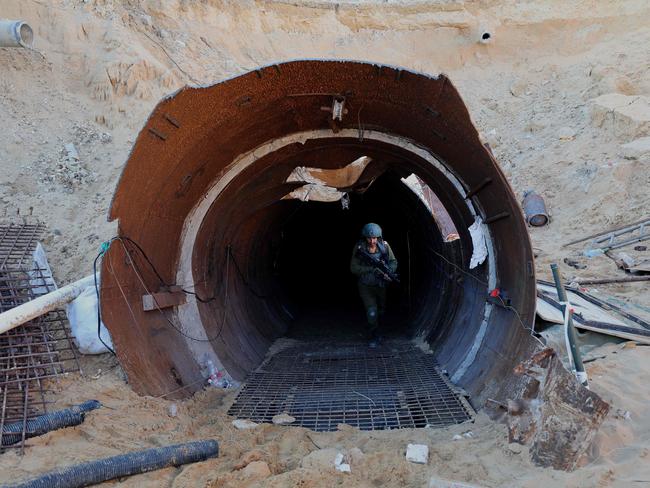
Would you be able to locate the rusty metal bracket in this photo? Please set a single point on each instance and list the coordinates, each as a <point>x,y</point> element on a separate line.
<point>172,121</point>
<point>440,135</point>
<point>432,112</point>
<point>245,100</point>
<point>163,300</point>
<point>478,188</point>
<point>499,216</point>
<point>158,134</point>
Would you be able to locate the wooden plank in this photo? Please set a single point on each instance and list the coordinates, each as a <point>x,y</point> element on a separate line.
<point>641,268</point>
<point>582,307</point>
<point>615,333</point>
<point>162,300</point>
<point>548,311</point>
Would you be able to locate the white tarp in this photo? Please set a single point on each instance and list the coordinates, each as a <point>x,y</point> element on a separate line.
<point>316,193</point>
<point>413,182</point>
<point>338,178</point>
<point>82,314</point>
<point>479,252</point>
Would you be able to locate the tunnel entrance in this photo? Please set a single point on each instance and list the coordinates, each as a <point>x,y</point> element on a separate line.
<point>329,371</point>
<point>236,194</point>
<point>314,248</point>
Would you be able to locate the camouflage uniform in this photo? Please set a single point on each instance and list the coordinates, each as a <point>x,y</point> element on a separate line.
<point>372,286</point>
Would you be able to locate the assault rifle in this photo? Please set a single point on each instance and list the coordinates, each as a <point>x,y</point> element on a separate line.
<point>380,265</point>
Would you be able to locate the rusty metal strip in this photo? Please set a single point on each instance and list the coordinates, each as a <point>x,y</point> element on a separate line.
<point>158,134</point>
<point>478,188</point>
<point>499,216</point>
<point>172,121</point>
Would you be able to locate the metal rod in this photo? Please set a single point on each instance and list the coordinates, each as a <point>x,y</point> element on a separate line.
<point>581,375</point>
<point>582,239</point>
<point>633,240</point>
<point>494,218</point>
<point>617,233</point>
<point>603,281</point>
<point>478,188</point>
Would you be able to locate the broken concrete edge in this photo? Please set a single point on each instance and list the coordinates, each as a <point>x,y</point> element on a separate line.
<point>555,416</point>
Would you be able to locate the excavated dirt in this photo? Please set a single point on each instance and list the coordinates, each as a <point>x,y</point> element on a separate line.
<point>279,456</point>
<point>560,92</point>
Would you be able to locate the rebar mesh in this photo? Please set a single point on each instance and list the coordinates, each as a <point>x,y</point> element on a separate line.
<point>393,386</point>
<point>37,350</point>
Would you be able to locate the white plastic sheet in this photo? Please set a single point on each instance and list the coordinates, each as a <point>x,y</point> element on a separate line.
<point>82,314</point>
<point>479,252</point>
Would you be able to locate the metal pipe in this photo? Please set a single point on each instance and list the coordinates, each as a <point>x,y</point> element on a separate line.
<point>613,280</point>
<point>15,33</point>
<point>535,209</point>
<point>43,304</point>
<point>627,226</point>
<point>580,373</point>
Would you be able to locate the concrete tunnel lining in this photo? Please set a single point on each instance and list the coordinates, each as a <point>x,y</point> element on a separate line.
<point>199,138</point>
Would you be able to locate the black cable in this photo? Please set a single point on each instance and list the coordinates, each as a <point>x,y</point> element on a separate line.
<point>99,316</point>
<point>503,303</point>
<point>106,245</point>
<point>458,267</point>
<point>153,268</point>
<point>202,300</point>
<point>225,307</point>
<point>245,281</point>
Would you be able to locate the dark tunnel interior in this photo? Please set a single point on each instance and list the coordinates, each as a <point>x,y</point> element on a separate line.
<point>313,247</point>
<point>291,274</point>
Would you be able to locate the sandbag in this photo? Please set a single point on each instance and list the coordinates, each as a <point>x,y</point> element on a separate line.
<point>82,314</point>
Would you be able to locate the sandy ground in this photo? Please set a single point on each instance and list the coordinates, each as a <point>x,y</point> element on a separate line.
<point>99,68</point>
<point>299,457</point>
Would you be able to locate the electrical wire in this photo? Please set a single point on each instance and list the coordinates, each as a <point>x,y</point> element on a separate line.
<point>503,303</point>
<point>245,281</point>
<point>229,256</point>
<point>225,302</point>
<point>106,245</point>
<point>184,290</point>
<point>99,316</point>
<point>155,271</point>
<point>484,283</point>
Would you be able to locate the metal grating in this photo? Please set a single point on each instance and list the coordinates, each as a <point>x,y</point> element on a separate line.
<point>393,386</point>
<point>17,244</point>
<point>38,350</point>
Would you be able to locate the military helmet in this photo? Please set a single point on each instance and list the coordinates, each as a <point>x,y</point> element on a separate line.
<point>371,230</point>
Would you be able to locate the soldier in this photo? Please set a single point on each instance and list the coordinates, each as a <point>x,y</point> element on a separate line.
<point>372,281</point>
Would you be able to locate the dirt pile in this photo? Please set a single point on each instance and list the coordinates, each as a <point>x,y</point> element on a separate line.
<point>278,456</point>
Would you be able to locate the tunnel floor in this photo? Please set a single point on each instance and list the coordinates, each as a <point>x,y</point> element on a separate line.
<point>325,383</point>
